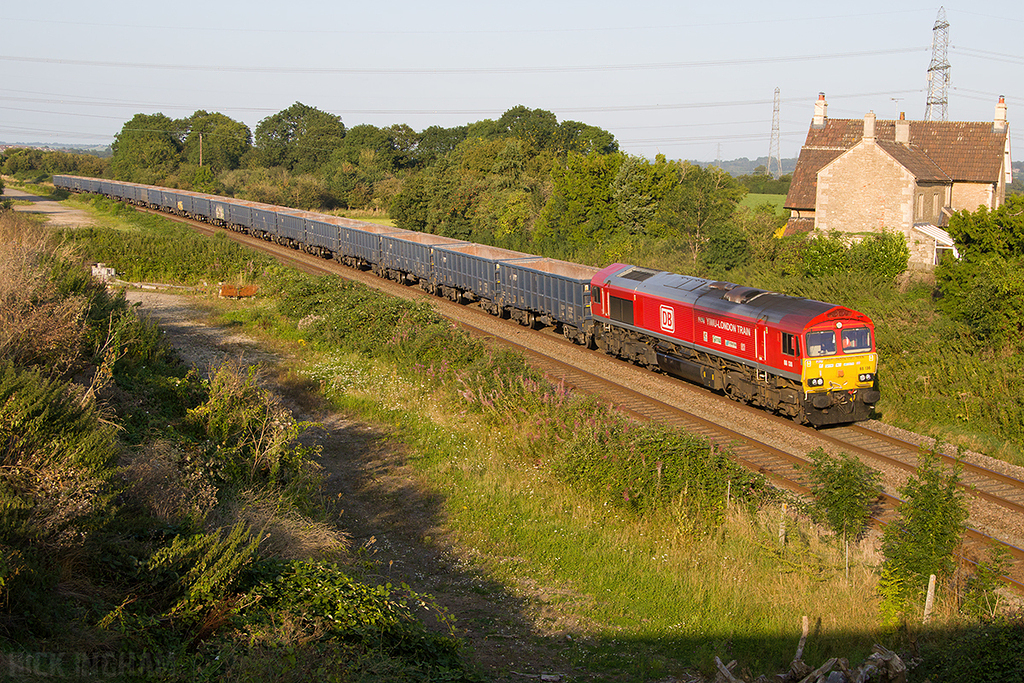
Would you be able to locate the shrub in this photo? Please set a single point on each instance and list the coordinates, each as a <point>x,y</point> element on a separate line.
<point>727,248</point>
<point>990,652</point>
<point>980,599</point>
<point>885,255</point>
<point>825,255</point>
<point>208,566</point>
<point>921,540</point>
<point>986,294</point>
<point>251,438</point>
<point>55,454</point>
<point>39,323</point>
<point>325,603</point>
<point>844,491</point>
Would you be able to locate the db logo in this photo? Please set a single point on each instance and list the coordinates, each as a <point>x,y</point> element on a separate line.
<point>668,319</point>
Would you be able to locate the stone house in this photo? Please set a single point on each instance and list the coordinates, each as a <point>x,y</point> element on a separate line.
<point>863,176</point>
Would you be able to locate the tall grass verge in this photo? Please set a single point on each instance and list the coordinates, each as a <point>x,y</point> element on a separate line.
<point>658,586</point>
<point>147,248</point>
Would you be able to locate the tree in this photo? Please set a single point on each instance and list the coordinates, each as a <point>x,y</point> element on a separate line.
<point>582,203</point>
<point>762,183</point>
<point>983,289</point>
<point>573,136</point>
<point>300,138</point>
<point>535,126</point>
<point>148,149</point>
<point>435,142</point>
<point>410,209</point>
<point>921,540</point>
<point>760,225</point>
<point>844,489</point>
<point>698,200</point>
<point>364,137</point>
<point>990,233</point>
<point>215,141</point>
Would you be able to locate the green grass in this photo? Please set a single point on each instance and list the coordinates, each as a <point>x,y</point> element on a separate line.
<point>751,201</point>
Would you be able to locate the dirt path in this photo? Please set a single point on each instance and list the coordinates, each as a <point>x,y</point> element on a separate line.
<point>54,211</point>
<point>389,511</point>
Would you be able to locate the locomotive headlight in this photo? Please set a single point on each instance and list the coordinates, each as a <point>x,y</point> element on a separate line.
<point>816,382</point>
<point>866,377</point>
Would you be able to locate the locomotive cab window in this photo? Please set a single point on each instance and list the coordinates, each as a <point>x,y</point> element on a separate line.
<point>856,339</point>
<point>821,343</point>
<point>595,295</point>
<point>790,344</point>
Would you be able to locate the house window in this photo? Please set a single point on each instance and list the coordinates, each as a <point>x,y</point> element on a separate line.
<point>935,206</point>
<point>943,253</point>
<point>920,207</point>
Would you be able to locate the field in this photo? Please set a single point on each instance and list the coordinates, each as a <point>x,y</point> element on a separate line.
<point>752,200</point>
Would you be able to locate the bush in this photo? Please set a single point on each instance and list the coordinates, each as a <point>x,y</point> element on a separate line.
<point>325,604</point>
<point>885,255</point>
<point>727,248</point>
<point>990,652</point>
<point>845,489</point>
<point>250,437</point>
<point>825,255</point>
<point>921,540</point>
<point>987,295</point>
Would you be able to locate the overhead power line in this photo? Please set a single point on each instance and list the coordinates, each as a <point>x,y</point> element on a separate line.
<point>448,112</point>
<point>377,71</point>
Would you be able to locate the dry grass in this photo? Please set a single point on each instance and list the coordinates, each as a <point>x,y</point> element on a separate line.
<point>159,484</point>
<point>287,533</point>
<point>36,325</point>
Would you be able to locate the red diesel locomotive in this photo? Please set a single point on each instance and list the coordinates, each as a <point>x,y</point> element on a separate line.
<point>809,360</point>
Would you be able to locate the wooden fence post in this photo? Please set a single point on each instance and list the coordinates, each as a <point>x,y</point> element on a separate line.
<point>929,601</point>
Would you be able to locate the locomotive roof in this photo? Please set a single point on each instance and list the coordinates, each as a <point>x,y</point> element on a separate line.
<point>736,301</point>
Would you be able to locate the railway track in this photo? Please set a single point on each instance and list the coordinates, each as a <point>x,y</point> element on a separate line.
<point>785,468</point>
<point>790,471</point>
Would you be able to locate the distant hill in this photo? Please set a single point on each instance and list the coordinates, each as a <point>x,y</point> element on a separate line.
<point>745,166</point>
<point>98,150</point>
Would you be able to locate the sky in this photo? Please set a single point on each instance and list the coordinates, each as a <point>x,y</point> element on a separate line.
<point>687,80</point>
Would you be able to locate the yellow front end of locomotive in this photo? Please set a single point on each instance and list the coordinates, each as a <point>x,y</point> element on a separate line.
<point>846,372</point>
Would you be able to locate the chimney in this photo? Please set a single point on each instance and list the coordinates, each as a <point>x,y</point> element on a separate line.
<point>820,112</point>
<point>869,126</point>
<point>999,124</point>
<point>903,129</point>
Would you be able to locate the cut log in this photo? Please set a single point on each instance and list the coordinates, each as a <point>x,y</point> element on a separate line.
<point>820,671</point>
<point>725,672</point>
